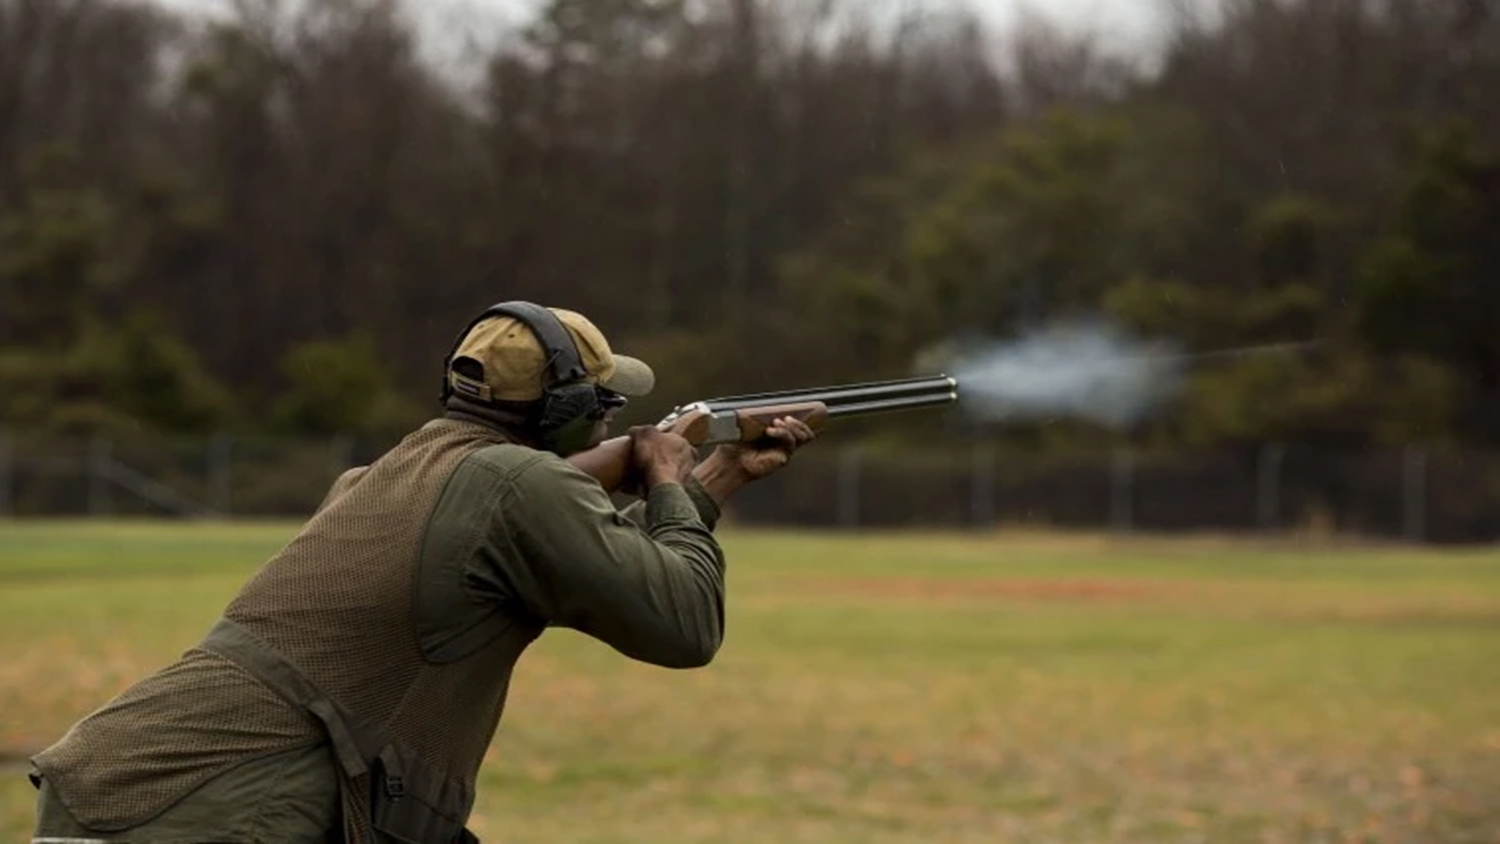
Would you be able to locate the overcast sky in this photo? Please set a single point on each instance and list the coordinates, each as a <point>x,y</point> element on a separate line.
<point>1134,16</point>
<point>1117,22</point>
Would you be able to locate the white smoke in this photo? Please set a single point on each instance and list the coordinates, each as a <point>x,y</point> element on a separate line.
<point>1081,370</point>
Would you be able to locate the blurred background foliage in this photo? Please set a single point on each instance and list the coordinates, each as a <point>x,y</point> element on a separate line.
<point>275,221</point>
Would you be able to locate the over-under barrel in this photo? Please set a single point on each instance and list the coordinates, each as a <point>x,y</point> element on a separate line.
<point>927,391</point>
<point>888,405</point>
<point>744,418</point>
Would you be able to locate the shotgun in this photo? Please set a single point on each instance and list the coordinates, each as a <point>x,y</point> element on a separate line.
<point>745,418</point>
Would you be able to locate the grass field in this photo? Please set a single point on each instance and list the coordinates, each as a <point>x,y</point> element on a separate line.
<point>898,688</point>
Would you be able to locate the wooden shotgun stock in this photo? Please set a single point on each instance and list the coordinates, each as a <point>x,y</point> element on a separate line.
<point>612,462</point>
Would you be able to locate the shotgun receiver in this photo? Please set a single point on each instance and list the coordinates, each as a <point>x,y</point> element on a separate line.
<point>745,418</point>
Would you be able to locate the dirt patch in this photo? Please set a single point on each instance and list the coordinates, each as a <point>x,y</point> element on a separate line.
<point>1095,589</point>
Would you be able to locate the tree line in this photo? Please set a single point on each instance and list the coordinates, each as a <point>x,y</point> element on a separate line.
<point>276,220</point>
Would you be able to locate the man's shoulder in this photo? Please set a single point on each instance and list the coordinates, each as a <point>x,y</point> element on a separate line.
<point>514,462</point>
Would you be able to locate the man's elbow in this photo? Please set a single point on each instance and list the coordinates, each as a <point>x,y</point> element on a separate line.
<point>692,651</point>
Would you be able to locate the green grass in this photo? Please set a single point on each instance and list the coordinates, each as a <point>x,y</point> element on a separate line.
<point>906,688</point>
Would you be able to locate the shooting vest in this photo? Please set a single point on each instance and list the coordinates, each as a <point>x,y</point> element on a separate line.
<point>333,638</point>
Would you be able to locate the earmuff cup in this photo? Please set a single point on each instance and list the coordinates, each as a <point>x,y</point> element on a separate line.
<point>567,415</point>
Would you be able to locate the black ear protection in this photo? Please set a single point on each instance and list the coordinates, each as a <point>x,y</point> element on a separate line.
<point>570,404</point>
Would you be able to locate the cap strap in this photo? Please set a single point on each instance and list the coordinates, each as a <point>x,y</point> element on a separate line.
<point>469,388</point>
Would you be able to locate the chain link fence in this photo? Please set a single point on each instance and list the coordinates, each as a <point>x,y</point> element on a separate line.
<point>1412,494</point>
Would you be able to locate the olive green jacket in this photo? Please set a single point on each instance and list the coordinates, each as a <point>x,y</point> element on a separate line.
<point>406,601</point>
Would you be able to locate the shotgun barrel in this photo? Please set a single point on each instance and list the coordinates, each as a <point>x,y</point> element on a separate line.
<point>936,385</point>
<point>889,405</point>
<point>744,419</point>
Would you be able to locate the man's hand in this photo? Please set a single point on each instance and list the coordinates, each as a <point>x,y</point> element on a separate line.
<point>661,457</point>
<point>757,460</point>
<point>733,465</point>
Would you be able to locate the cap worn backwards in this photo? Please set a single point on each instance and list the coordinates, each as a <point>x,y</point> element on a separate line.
<point>514,363</point>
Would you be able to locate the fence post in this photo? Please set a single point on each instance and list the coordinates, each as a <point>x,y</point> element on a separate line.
<point>1414,494</point>
<point>7,474</point>
<point>1268,486</point>
<point>982,493</point>
<point>100,458</point>
<point>219,482</point>
<point>1122,490</point>
<point>848,483</point>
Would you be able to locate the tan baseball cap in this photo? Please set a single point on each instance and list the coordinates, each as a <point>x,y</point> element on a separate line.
<point>514,361</point>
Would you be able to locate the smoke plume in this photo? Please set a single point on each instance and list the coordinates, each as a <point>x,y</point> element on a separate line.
<point>1083,370</point>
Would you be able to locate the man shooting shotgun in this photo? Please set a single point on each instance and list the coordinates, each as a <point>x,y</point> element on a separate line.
<point>351,689</point>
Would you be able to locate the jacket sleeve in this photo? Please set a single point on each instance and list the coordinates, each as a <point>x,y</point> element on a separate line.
<point>708,509</point>
<point>654,591</point>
